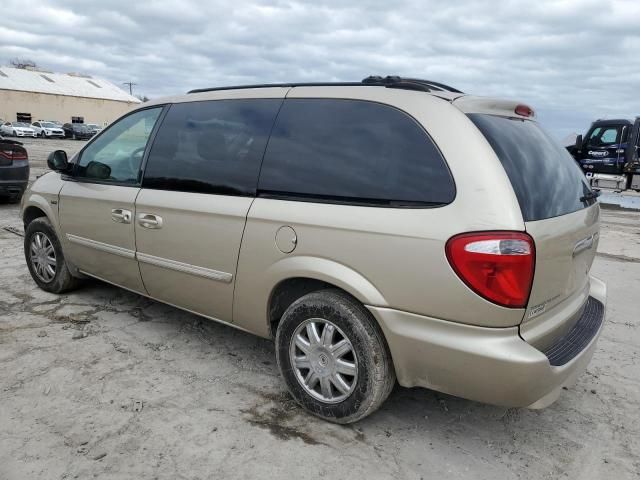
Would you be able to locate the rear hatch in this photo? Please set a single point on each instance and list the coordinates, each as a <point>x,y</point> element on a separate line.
<point>559,210</point>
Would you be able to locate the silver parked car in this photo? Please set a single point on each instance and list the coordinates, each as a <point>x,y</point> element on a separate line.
<point>17,129</point>
<point>379,230</point>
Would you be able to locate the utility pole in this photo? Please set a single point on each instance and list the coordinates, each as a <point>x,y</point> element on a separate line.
<point>131,84</point>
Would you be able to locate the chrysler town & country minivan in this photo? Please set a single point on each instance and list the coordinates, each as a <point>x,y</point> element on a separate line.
<point>390,230</point>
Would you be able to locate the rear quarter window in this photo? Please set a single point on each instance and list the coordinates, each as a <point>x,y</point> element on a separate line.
<point>546,179</point>
<point>355,152</point>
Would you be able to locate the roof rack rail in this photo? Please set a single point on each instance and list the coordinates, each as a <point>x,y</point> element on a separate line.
<point>275,85</point>
<point>373,80</point>
<point>392,81</point>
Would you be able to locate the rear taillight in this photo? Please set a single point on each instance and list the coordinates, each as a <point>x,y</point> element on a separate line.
<point>496,265</point>
<point>14,153</point>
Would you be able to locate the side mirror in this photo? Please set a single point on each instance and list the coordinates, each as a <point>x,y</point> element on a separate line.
<point>57,161</point>
<point>579,142</point>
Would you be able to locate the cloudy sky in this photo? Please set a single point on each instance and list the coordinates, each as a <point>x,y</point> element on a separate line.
<point>573,60</point>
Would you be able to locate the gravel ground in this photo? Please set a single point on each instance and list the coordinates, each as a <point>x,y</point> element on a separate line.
<point>105,383</point>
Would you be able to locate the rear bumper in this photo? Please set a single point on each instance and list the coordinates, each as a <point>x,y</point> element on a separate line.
<point>491,365</point>
<point>14,179</point>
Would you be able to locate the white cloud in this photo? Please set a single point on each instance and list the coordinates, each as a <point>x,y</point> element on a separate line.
<point>573,60</point>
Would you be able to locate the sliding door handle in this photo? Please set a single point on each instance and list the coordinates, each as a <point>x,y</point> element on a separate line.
<point>148,220</point>
<point>121,215</point>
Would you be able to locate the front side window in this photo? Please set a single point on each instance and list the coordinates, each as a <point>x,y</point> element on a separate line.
<point>115,155</point>
<point>356,152</point>
<point>212,147</point>
<point>603,136</point>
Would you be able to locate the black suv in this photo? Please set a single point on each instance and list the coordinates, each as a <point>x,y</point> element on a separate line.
<point>77,131</point>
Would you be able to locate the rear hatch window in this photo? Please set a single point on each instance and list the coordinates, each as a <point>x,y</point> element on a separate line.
<point>546,179</point>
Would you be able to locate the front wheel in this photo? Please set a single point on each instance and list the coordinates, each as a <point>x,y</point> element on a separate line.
<point>45,260</point>
<point>333,357</point>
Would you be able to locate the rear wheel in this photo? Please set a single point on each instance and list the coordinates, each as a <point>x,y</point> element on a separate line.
<point>43,253</point>
<point>333,357</point>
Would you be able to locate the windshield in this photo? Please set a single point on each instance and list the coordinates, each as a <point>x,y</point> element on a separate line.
<point>20,124</point>
<point>92,125</point>
<point>48,125</point>
<point>80,128</point>
<point>547,181</point>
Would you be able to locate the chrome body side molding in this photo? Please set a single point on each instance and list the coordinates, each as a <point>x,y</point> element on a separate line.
<point>185,268</point>
<point>103,247</point>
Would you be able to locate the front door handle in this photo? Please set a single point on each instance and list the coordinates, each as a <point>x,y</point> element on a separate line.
<point>121,215</point>
<point>149,220</point>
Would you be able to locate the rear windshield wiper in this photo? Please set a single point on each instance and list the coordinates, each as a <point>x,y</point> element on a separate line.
<point>590,196</point>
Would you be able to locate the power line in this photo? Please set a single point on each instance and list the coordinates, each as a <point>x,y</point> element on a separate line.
<point>131,84</point>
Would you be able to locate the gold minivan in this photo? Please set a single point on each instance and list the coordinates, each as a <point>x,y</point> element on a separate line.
<point>389,229</point>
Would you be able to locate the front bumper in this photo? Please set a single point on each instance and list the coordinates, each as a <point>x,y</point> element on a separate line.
<point>490,365</point>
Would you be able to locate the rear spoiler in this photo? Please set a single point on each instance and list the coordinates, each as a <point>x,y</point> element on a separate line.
<point>494,106</point>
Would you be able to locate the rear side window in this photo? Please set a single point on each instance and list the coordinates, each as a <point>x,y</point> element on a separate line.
<point>546,179</point>
<point>353,151</point>
<point>211,147</point>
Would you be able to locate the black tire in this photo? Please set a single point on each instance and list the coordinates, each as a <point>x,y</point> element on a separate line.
<point>63,281</point>
<point>375,373</point>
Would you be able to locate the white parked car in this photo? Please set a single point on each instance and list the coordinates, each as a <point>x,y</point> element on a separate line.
<point>47,129</point>
<point>17,129</point>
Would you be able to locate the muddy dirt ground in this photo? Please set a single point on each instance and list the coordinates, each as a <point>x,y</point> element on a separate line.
<point>104,383</point>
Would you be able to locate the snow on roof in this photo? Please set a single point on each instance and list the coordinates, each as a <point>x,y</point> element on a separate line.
<point>72,85</point>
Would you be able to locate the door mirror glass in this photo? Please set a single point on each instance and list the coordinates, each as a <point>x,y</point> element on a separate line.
<point>57,161</point>
<point>98,171</point>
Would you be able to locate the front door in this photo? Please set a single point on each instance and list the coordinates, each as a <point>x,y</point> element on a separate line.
<point>601,154</point>
<point>97,202</point>
<point>199,182</point>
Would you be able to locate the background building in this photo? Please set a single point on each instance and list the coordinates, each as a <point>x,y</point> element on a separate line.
<point>29,95</point>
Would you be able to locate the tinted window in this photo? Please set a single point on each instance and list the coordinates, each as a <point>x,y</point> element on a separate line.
<point>353,151</point>
<point>211,147</point>
<point>116,154</point>
<point>546,179</point>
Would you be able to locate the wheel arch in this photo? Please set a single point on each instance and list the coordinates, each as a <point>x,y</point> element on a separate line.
<point>31,213</point>
<point>36,205</point>
<point>298,276</point>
